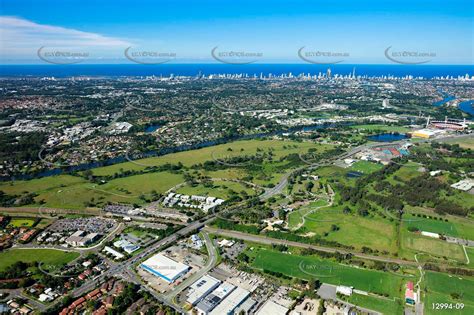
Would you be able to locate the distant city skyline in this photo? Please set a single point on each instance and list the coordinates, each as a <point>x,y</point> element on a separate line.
<point>362,32</point>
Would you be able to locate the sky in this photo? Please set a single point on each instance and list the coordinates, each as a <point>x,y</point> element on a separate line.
<point>293,31</point>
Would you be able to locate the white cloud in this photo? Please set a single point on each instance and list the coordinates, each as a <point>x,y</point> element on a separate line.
<point>21,38</point>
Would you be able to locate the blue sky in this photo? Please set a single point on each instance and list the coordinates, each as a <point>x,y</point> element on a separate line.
<point>360,29</point>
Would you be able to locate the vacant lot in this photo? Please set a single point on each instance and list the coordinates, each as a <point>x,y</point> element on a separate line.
<point>46,256</point>
<point>219,189</point>
<point>21,222</point>
<point>384,306</point>
<point>71,192</point>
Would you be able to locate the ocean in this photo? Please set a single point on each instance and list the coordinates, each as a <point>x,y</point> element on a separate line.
<point>117,70</point>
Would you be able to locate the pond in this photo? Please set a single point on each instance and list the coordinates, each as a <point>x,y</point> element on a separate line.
<point>388,137</point>
<point>152,128</point>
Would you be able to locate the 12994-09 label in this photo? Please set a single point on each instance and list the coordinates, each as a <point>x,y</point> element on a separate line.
<point>448,306</point>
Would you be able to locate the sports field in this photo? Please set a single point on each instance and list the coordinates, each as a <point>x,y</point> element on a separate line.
<point>412,243</point>
<point>444,288</point>
<point>366,167</point>
<point>306,267</point>
<point>46,256</point>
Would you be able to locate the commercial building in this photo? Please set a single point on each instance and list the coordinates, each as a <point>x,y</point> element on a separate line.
<point>426,133</point>
<point>272,308</point>
<point>127,246</point>
<point>79,238</point>
<point>214,298</point>
<point>231,302</point>
<point>165,268</point>
<point>113,252</point>
<point>202,287</point>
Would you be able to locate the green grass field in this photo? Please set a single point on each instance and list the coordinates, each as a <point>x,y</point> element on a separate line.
<point>306,267</point>
<point>365,167</point>
<point>354,230</point>
<point>412,243</point>
<point>381,127</point>
<point>296,217</point>
<point>456,226</point>
<point>245,147</point>
<point>69,192</point>
<point>430,225</point>
<point>220,189</point>
<point>467,143</point>
<point>21,222</point>
<point>470,254</point>
<point>443,288</point>
<point>384,306</point>
<point>73,192</point>
<point>46,256</point>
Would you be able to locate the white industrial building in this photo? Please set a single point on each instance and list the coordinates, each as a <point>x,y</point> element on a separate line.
<point>202,287</point>
<point>214,298</point>
<point>272,308</point>
<point>165,268</point>
<point>231,302</point>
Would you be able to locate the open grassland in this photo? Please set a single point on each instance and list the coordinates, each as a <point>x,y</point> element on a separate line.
<point>279,149</point>
<point>470,254</point>
<point>46,256</point>
<point>405,173</point>
<point>307,267</point>
<point>443,288</point>
<point>466,142</point>
<point>382,305</point>
<point>412,243</point>
<point>73,192</point>
<point>375,233</point>
<point>21,222</point>
<point>69,192</point>
<point>296,217</point>
<point>381,127</point>
<point>219,189</point>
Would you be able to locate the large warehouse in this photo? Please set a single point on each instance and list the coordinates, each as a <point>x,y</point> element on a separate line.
<point>165,268</point>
